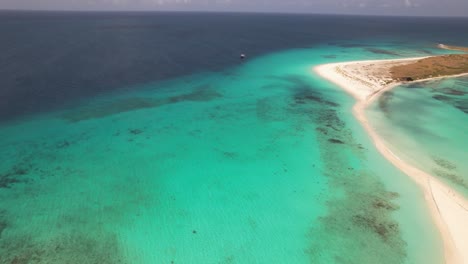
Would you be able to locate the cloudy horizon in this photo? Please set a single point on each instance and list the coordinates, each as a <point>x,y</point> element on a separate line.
<point>354,7</point>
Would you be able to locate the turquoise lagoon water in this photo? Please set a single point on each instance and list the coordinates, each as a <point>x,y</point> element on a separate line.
<point>259,163</point>
<point>427,124</point>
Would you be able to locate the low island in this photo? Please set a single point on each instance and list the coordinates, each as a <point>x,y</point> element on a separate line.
<point>366,80</point>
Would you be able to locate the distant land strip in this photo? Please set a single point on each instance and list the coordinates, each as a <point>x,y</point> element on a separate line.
<point>449,47</point>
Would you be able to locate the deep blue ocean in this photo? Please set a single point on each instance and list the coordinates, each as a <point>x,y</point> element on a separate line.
<point>51,59</point>
<point>144,138</point>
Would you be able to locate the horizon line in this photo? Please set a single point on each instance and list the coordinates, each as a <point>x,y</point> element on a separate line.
<point>224,12</point>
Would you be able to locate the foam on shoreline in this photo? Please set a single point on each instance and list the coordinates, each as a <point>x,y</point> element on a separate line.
<point>365,81</point>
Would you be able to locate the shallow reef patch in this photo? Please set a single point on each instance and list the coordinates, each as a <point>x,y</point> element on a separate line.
<point>200,94</point>
<point>66,248</point>
<point>303,91</point>
<point>384,101</point>
<point>444,163</point>
<point>382,51</point>
<point>460,104</point>
<point>3,222</point>
<point>135,131</point>
<point>452,91</point>
<point>267,110</point>
<point>335,141</point>
<point>362,216</point>
<point>413,86</point>
<point>15,175</point>
<point>451,176</point>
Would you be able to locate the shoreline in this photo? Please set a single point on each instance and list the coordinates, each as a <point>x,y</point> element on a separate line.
<point>449,209</point>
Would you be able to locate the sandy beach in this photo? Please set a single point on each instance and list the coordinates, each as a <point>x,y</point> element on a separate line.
<point>366,80</point>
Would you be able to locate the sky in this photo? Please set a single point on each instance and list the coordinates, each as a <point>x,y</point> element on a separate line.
<point>365,7</point>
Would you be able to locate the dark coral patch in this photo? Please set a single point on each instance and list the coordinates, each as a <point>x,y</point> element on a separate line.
<point>74,248</point>
<point>14,175</point>
<point>444,163</point>
<point>461,105</point>
<point>384,101</point>
<point>380,203</point>
<point>383,229</point>
<point>426,51</point>
<point>364,216</point>
<point>230,155</point>
<point>6,181</point>
<point>451,91</point>
<point>63,144</point>
<point>107,109</point>
<point>200,94</point>
<point>335,141</point>
<point>414,86</point>
<point>135,131</point>
<point>382,51</point>
<point>3,223</point>
<point>306,96</point>
<point>322,130</point>
<point>3,226</point>
<point>457,179</point>
<point>442,98</point>
<point>304,93</point>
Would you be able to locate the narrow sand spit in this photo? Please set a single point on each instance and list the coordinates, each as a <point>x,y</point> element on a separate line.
<point>448,47</point>
<point>366,80</point>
